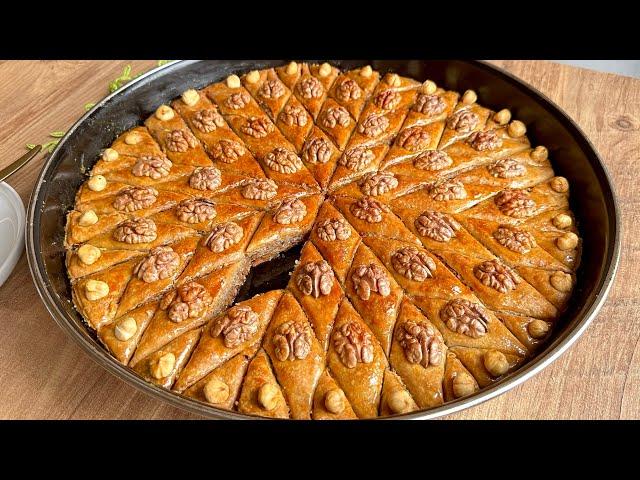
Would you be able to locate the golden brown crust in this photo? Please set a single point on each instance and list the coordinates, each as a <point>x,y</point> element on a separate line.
<point>337,401</point>
<point>259,375</point>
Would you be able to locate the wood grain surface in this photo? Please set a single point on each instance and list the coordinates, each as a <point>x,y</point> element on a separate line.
<point>44,374</point>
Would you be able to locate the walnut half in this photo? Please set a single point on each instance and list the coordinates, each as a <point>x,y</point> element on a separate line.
<point>413,264</point>
<point>161,263</point>
<point>290,211</point>
<point>368,209</point>
<point>223,236</point>
<point>194,210</point>
<point>292,341</point>
<point>315,279</point>
<point>464,317</point>
<point>190,300</point>
<point>420,343</point>
<point>353,344</point>
<point>140,230</point>
<point>239,324</point>
<point>497,276</point>
<point>437,226</point>
<point>368,279</point>
<point>333,229</point>
<point>283,161</point>
<point>131,199</point>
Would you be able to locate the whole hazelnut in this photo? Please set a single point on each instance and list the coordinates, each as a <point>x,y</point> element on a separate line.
<point>562,220</point>
<point>469,97</point>
<point>463,385</point>
<point>163,366</point>
<point>568,241</point>
<point>539,153</point>
<point>133,138</point>
<point>429,87</point>
<point>394,80</point>
<point>233,81</point>
<point>253,76</point>
<point>268,396</point>
<point>190,97</point>
<point>334,401</point>
<point>164,113</point>
<point>366,71</point>
<point>503,116</point>
<point>109,155</point>
<point>325,70</point>
<point>88,254</point>
<point>125,329</point>
<point>516,129</point>
<point>97,183</point>
<point>400,402</point>
<point>292,68</point>
<point>216,391</point>
<point>496,363</point>
<point>95,290</point>
<point>559,184</point>
<point>561,281</point>
<point>538,329</point>
<point>88,218</point>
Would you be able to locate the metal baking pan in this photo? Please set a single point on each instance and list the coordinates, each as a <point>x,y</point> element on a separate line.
<point>592,198</point>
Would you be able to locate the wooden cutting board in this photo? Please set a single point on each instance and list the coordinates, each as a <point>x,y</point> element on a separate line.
<point>44,374</point>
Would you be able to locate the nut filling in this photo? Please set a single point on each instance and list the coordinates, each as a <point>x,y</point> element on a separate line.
<point>420,343</point>
<point>497,276</point>
<point>514,239</point>
<point>131,199</point>
<point>315,279</point>
<point>515,203</point>
<point>290,211</point>
<point>238,325</point>
<point>181,141</point>
<point>353,344</point>
<point>292,341</point>
<point>464,317</point>
<point>437,226</point>
<point>369,210</point>
<point>190,300</point>
<point>195,211</point>
<point>376,184</point>
<point>160,264</point>
<point>368,279</point>
<point>224,236</point>
<point>413,264</point>
<point>333,229</point>
<point>432,160</point>
<point>152,167</point>
<point>140,230</point>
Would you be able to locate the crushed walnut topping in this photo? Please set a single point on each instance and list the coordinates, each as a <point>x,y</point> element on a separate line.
<point>310,87</point>
<point>413,264</point>
<point>336,116</point>
<point>413,139</point>
<point>348,90</point>
<point>315,278</point>
<point>333,229</point>
<point>205,178</point>
<point>152,166</point>
<point>369,279</point>
<point>159,264</point>
<point>463,121</point>
<point>227,151</point>
<point>448,190</point>
<point>292,341</point>
<point>356,158</point>
<point>487,140</point>
<point>260,189</point>
<point>181,141</point>
<point>432,160</point>
<point>374,125</point>
<point>190,300</point>
<point>272,89</point>
<point>497,276</point>
<point>291,210</point>
<point>139,230</point>
<point>131,199</point>
<point>317,150</point>
<point>465,317</point>
<point>238,325</point>
<point>368,209</point>
<point>515,203</point>
<point>353,344</point>
<point>223,236</point>
<point>375,184</point>
<point>238,100</point>
<point>387,99</point>
<point>194,210</point>
<point>437,226</point>
<point>294,115</point>
<point>429,104</point>
<point>283,161</point>
<point>514,239</point>
<point>207,120</point>
<point>506,168</point>
<point>420,343</point>
<point>257,127</point>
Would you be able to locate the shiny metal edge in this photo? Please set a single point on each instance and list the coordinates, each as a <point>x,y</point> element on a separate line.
<point>531,368</point>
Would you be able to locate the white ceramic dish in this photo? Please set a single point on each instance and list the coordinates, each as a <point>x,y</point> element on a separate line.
<point>12,220</point>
